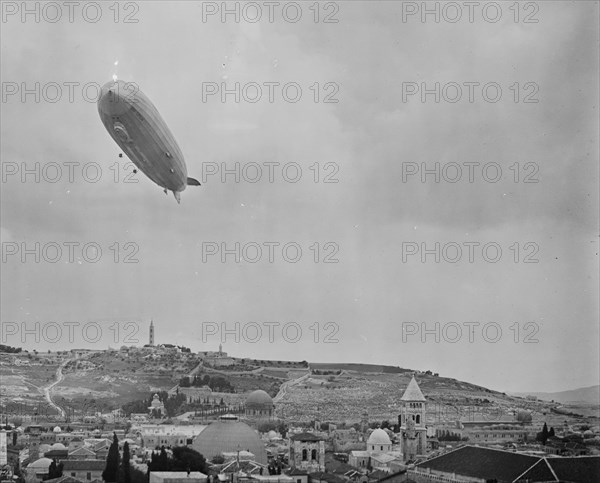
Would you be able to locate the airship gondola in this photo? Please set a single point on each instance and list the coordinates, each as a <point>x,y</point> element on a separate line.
<point>140,131</point>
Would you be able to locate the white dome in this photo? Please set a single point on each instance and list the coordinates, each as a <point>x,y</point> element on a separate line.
<point>379,436</point>
<point>58,446</point>
<point>57,429</point>
<point>40,465</point>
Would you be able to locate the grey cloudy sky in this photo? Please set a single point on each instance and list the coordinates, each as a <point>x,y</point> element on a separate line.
<point>371,293</point>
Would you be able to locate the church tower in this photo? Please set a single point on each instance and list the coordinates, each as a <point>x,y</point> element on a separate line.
<point>413,433</point>
<point>151,333</point>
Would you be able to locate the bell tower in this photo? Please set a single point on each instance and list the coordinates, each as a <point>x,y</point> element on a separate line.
<point>413,432</point>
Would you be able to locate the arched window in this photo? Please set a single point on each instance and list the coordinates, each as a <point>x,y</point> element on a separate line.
<point>418,419</point>
<point>313,454</point>
<point>304,455</point>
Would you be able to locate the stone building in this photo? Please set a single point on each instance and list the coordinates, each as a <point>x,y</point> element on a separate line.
<point>259,405</point>
<point>307,452</point>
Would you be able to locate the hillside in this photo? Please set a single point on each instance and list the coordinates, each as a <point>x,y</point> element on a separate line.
<point>106,380</point>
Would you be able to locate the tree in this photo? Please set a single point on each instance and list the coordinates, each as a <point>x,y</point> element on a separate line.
<point>542,436</point>
<point>54,470</point>
<point>551,432</point>
<point>185,458</point>
<point>125,465</point>
<point>111,470</point>
<point>138,476</point>
<point>266,426</point>
<point>163,460</point>
<point>282,429</point>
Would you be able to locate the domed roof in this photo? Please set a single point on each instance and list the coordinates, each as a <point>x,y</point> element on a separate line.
<point>229,436</point>
<point>272,435</point>
<point>58,446</point>
<point>259,399</point>
<point>379,436</point>
<point>44,447</point>
<point>57,429</point>
<point>41,464</point>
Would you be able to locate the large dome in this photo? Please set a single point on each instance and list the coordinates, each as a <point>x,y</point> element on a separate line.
<point>379,436</point>
<point>259,400</point>
<point>229,436</point>
<point>58,447</point>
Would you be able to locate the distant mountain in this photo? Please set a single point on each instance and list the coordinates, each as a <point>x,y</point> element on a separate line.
<point>589,395</point>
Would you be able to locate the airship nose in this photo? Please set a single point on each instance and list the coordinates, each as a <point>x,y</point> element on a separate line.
<point>110,101</point>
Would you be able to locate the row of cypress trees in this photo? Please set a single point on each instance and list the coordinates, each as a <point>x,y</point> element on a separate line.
<point>117,470</point>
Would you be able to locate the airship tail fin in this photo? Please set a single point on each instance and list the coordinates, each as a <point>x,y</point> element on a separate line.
<point>177,195</point>
<point>193,182</point>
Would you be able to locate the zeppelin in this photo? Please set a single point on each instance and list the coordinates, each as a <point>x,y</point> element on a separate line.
<point>139,130</point>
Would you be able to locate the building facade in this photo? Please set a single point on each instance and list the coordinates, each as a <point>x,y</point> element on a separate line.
<point>307,452</point>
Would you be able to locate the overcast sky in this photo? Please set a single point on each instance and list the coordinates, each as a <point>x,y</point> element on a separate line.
<point>371,135</point>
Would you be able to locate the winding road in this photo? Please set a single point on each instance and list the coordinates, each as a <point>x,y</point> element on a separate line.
<point>283,388</point>
<point>48,389</point>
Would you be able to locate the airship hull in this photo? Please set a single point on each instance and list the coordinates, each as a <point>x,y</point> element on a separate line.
<point>137,127</point>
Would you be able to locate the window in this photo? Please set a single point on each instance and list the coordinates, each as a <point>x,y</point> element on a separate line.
<point>304,455</point>
<point>418,419</point>
<point>381,448</point>
<point>88,476</point>
<point>313,454</point>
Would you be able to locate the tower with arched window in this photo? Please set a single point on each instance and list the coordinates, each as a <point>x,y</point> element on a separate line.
<point>413,432</point>
<point>307,452</point>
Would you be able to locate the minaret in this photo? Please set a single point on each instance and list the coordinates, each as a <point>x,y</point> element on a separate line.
<point>412,422</point>
<point>151,333</point>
